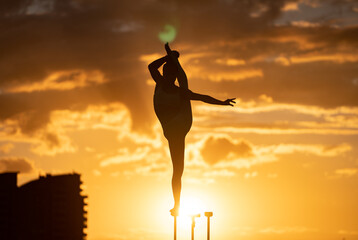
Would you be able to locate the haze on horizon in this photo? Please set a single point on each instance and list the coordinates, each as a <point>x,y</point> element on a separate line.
<point>76,95</point>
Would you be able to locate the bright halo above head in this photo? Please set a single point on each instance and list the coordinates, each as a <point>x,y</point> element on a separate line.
<point>168,34</point>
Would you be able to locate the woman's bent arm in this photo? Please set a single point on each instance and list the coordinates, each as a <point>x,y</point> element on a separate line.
<point>153,69</point>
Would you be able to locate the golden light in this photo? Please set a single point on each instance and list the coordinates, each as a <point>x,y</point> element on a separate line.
<point>190,206</point>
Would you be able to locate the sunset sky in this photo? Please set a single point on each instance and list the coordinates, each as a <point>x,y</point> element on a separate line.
<point>76,96</point>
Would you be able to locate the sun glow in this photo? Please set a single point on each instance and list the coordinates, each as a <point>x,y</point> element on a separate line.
<point>190,206</point>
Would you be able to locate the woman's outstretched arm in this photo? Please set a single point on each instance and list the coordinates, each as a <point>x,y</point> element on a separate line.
<point>153,69</point>
<point>174,55</point>
<point>211,100</point>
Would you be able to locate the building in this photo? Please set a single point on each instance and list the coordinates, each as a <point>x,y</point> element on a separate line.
<point>8,199</point>
<point>49,208</point>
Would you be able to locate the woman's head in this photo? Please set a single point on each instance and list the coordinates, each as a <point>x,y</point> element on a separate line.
<point>170,71</point>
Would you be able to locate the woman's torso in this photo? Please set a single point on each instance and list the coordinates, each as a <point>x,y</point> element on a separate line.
<point>172,107</point>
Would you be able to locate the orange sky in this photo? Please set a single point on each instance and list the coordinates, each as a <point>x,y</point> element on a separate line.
<point>76,95</point>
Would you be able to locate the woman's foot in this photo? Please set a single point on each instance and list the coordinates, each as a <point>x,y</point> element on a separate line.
<point>174,211</point>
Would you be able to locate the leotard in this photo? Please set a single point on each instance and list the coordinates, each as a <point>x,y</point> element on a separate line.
<point>173,110</point>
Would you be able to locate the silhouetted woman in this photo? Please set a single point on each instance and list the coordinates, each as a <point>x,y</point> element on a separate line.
<point>173,109</point>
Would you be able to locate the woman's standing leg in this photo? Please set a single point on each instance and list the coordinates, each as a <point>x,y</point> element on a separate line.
<point>177,149</point>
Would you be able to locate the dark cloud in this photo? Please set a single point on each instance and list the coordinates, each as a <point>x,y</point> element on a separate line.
<point>52,139</point>
<point>326,82</point>
<point>14,164</point>
<point>6,148</point>
<point>38,39</point>
<point>323,84</point>
<point>218,149</point>
<point>42,37</point>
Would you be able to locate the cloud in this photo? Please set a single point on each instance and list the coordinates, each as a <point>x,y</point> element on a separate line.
<point>264,115</point>
<point>113,116</point>
<point>312,3</point>
<point>52,143</point>
<point>61,80</point>
<point>223,149</point>
<point>348,232</point>
<point>125,156</point>
<point>230,61</point>
<point>97,172</point>
<point>142,159</point>
<point>250,175</point>
<point>304,24</point>
<point>102,116</point>
<point>219,173</point>
<point>65,54</point>
<point>16,164</point>
<point>339,58</point>
<point>248,230</point>
<point>319,150</point>
<point>234,76</point>
<point>6,148</point>
<point>284,230</point>
<point>346,172</point>
<point>54,137</point>
<point>42,142</point>
<point>223,153</point>
<point>38,7</point>
<point>290,6</point>
<point>272,175</point>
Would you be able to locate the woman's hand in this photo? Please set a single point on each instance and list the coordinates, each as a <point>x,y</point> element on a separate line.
<point>229,101</point>
<point>167,48</point>
<point>174,55</point>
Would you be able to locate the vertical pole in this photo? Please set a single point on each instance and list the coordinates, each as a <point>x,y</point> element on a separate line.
<point>192,228</point>
<point>175,227</point>
<point>175,215</point>
<point>208,215</point>
<point>208,232</point>
<point>193,224</point>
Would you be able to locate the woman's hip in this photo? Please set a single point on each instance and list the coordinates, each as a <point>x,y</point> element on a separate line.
<point>177,129</point>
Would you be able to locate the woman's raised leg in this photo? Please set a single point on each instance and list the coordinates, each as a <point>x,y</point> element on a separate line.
<point>177,149</point>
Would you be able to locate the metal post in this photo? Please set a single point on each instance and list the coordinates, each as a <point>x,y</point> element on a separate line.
<point>175,225</point>
<point>208,215</point>
<point>192,228</point>
<point>193,224</point>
